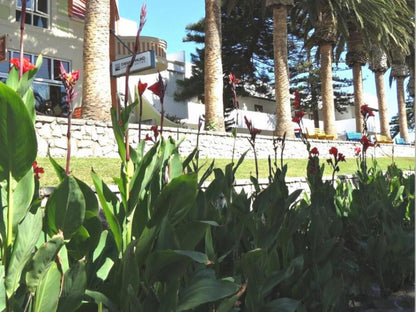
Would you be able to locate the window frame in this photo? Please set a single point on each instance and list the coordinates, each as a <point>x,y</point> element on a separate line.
<point>33,11</point>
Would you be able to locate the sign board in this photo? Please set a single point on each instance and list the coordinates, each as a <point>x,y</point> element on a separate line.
<point>3,50</point>
<point>142,61</point>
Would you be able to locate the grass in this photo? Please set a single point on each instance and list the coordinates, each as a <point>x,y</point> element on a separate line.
<point>107,168</point>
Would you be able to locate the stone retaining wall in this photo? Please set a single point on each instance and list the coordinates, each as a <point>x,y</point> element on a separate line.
<point>96,139</point>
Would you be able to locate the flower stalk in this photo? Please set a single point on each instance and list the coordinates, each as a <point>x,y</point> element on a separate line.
<point>69,80</point>
<point>126,89</point>
<point>22,31</point>
<point>253,133</point>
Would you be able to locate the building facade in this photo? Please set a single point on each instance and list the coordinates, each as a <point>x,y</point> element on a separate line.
<point>51,30</point>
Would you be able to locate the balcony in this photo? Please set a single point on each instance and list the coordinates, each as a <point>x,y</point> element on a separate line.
<point>146,44</point>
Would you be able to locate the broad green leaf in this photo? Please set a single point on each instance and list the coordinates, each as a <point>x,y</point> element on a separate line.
<point>195,255</point>
<point>75,283</point>
<point>22,197</point>
<point>2,289</point>
<point>107,200</point>
<point>47,294</point>
<point>176,199</point>
<point>130,275</point>
<point>165,265</point>
<point>17,136</point>
<point>13,78</point>
<point>65,209</point>
<point>29,100</point>
<point>281,305</point>
<point>205,290</point>
<point>209,245</point>
<point>60,172</point>
<point>85,239</point>
<point>101,298</point>
<point>28,232</point>
<point>42,261</point>
<point>190,234</point>
<point>118,134</point>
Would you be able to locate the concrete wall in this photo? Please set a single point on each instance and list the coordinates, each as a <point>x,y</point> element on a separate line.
<point>96,139</point>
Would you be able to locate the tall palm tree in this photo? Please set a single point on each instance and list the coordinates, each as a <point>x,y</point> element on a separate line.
<point>399,71</point>
<point>356,58</point>
<point>326,36</point>
<point>213,89</point>
<point>379,65</point>
<point>96,94</point>
<point>281,69</point>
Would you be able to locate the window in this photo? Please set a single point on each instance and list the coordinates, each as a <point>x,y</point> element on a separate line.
<point>48,89</point>
<point>37,12</point>
<point>258,108</point>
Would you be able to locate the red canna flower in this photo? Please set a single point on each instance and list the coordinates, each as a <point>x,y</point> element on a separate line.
<point>333,151</point>
<point>248,123</point>
<point>155,131</point>
<point>298,116</point>
<point>366,111</point>
<point>232,79</point>
<point>69,79</point>
<point>253,131</point>
<point>142,87</point>
<point>366,143</point>
<point>314,151</point>
<point>158,88</point>
<point>37,170</point>
<point>27,65</point>
<point>357,151</point>
<point>148,138</point>
<point>341,157</point>
<point>297,99</point>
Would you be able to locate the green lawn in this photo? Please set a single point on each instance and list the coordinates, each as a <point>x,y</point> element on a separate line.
<point>107,168</point>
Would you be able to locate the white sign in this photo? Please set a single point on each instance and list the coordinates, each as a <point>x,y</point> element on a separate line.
<point>142,61</point>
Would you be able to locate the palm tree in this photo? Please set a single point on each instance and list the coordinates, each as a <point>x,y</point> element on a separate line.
<point>326,36</point>
<point>356,58</point>
<point>399,71</point>
<point>281,69</point>
<point>96,95</point>
<point>213,89</point>
<point>379,65</point>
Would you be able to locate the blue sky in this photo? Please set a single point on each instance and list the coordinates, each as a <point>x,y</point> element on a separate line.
<point>167,19</point>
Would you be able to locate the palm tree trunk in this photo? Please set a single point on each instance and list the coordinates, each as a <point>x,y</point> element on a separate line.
<point>214,110</point>
<point>283,110</point>
<point>358,95</point>
<point>96,94</point>
<point>402,109</point>
<point>382,104</point>
<point>327,90</point>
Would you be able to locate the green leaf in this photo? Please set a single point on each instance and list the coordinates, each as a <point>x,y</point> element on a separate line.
<point>17,136</point>
<point>194,255</point>
<point>47,294</point>
<point>118,134</point>
<point>101,298</point>
<point>2,289</point>
<point>281,305</point>
<point>176,199</point>
<point>60,172</point>
<point>27,236</point>
<point>65,209</point>
<point>108,200</point>
<point>205,290</point>
<point>13,78</point>
<point>75,283</point>
<point>42,261</point>
<point>165,265</point>
<point>22,197</point>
